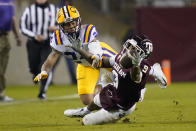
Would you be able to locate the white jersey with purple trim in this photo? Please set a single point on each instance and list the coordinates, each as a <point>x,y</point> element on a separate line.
<point>88,33</point>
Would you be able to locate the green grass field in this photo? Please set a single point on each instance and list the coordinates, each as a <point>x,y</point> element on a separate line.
<point>171,109</point>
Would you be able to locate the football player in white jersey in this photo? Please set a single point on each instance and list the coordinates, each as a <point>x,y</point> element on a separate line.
<point>71,31</point>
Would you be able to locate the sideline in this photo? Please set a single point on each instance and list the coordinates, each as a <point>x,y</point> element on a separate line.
<point>36,100</point>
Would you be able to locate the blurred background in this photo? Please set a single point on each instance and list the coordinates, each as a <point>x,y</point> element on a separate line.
<point>170,24</point>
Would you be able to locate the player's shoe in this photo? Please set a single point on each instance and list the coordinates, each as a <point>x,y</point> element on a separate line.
<point>42,96</point>
<point>159,76</point>
<point>80,112</point>
<point>6,99</point>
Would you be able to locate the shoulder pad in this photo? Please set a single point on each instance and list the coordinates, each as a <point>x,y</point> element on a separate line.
<point>90,33</point>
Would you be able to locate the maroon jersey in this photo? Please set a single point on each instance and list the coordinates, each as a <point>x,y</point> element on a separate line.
<point>124,92</point>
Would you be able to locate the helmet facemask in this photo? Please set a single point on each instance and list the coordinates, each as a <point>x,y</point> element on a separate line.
<point>125,60</point>
<point>71,27</point>
<point>133,48</point>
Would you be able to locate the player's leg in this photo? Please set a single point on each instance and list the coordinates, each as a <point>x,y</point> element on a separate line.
<point>86,98</point>
<point>98,88</point>
<point>158,74</point>
<point>103,116</point>
<point>87,78</point>
<point>80,112</point>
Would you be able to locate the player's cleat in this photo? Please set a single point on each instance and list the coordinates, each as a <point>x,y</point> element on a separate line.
<point>80,112</point>
<point>6,99</point>
<point>159,76</point>
<point>42,96</point>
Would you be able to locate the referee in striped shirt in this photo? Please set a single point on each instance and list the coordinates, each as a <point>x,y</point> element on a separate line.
<point>37,23</point>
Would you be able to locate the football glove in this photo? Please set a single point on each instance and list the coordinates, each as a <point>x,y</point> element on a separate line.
<point>40,76</point>
<point>75,43</point>
<point>136,57</point>
<point>97,61</point>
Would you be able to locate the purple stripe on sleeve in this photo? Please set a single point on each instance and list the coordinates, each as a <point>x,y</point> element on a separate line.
<point>60,37</point>
<point>106,55</point>
<point>90,33</point>
<point>55,38</point>
<point>109,51</point>
<point>85,32</point>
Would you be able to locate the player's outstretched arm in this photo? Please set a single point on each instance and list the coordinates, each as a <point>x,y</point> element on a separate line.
<point>136,57</point>
<point>96,61</point>
<point>50,61</point>
<point>136,74</point>
<point>48,64</point>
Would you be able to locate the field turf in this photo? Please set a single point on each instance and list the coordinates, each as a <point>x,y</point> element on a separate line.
<point>171,109</point>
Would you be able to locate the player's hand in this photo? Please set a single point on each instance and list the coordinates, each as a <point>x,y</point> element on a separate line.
<point>97,61</point>
<point>75,43</point>
<point>136,56</point>
<point>137,59</point>
<point>40,76</point>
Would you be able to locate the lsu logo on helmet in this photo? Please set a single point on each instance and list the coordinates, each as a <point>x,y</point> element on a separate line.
<point>67,14</point>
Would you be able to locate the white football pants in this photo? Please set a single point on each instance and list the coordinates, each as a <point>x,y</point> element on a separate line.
<point>103,116</point>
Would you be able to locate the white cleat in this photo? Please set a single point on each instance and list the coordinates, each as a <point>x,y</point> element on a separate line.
<point>159,76</point>
<point>6,99</point>
<point>76,112</point>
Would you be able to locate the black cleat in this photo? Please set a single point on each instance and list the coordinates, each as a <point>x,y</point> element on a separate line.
<point>42,96</point>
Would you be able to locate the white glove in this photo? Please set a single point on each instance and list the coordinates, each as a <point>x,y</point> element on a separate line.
<point>97,61</point>
<point>40,76</point>
<point>136,57</point>
<point>75,43</point>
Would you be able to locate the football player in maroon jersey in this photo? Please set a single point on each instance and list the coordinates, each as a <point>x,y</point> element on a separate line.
<point>130,70</point>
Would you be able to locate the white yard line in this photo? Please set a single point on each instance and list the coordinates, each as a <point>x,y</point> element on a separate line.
<point>35,100</point>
